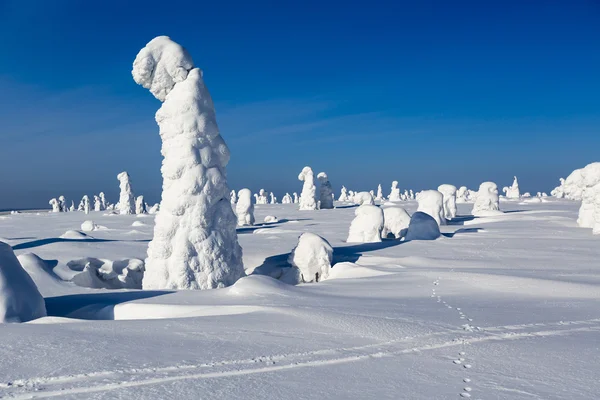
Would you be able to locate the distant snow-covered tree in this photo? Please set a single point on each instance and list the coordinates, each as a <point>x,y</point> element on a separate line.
<point>103,202</point>
<point>379,196</point>
<point>273,198</point>
<point>62,204</point>
<point>394,192</point>
<point>287,199</point>
<point>233,197</point>
<point>367,225</point>
<point>244,208</point>
<point>97,203</point>
<point>487,201</point>
<point>140,205</point>
<point>296,200</point>
<point>432,202</point>
<point>343,194</point>
<point>312,256</point>
<point>55,205</point>
<point>449,197</point>
<point>325,191</point>
<point>307,197</point>
<point>126,199</point>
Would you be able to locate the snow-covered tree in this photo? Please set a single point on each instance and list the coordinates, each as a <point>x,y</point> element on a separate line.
<point>351,195</point>
<point>449,193</point>
<point>244,208</point>
<point>589,213</point>
<point>367,225</point>
<point>559,191</point>
<point>379,196</point>
<point>312,256</point>
<point>72,208</point>
<point>273,198</point>
<point>55,206</point>
<point>411,195</point>
<point>85,204</point>
<point>261,198</point>
<point>512,192</point>
<point>343,194</point>
<point>361,198</point>
<point>394,192</point>
<point>396,221</point>
<point>154,209</point>
<point>296,199</point>
<point>432,202</point>
<point>325,191</point>
<point>195,244</point>
<point>462,195</point>
<point>422,227</point>
<point>126,199</point>
<point>308,200</point>
<point>487,201</point>
<point>97,203</point>
<point>140,205</point>
<point>103,202</point>
<point>233,198</point>
<point>62,204</point>
<point>287,199</point>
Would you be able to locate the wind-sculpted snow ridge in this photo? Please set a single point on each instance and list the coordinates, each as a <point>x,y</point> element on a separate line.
<point>20,299</point>
<point>195,243</point>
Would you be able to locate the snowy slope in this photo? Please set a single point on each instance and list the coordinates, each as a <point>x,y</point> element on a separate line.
<point>507,306</point>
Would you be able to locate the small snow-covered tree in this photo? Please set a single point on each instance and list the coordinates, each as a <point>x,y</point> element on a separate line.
<point>308,200</point>
<point>312,256</point>
<point>449,193</point>
<point>97,203</point>
<point>261,198</point>
<point>343,194</point>
<point>589,213</point>
<point>396,221</point>
<point>422,227</point>
<point>140,206</point>
<point>55,205</point>
<point>195,244</point>
<point>287,199</point>
<point>367,225</point>
<point>487,201</point>
<point>325,191</point>
<point>62,204</point>
<point>462,195</point>
<point>72,208</point>
<point>432,202</point>
<point>559,191</point>
<point>233,197</point>
<point>296,200</point>
<point>244,208</point>
<point>411,195</point>
<point>379,193</point>
<point>103,202</point>
<point>273,198</point>
<point>85,201</point>
<point>512,192</point>
<point>126,199</point>
<point>394,192</point>
<point>361,198</point>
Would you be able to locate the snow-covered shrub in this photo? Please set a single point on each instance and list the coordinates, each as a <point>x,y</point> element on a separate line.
<point>55,205</point>
<point>394,192</point>
<point>422,227</point>
<point>140,205</point>
<point>343,194</point>
<point>62,204</point>
<point>449,193</point>
<point>396,221</point>
<point>273,198</point>
<point>233,198</point>
<point>20,299</point>
<point>432,202</point>
<point>367,225</point>
<point>244,208</point>
<point>271,219</point>
<point>126,200</point>
<point>287,199</point>
<point>361,198</point>
<point>379,195</point>
<point>487,201</point>
<point>308,200</point>
<point>325,191</point>
<point>312,256</point>
<point>88,226</point>
<point>195,244</point>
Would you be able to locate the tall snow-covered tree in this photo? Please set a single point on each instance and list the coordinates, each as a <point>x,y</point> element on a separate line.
<point>308,200</point>
<point>394,192</point>
<point>140,205</point>
<point>126,200</point>
<point>195,244</point>
<point>244,208</point>
<point>325,191</point>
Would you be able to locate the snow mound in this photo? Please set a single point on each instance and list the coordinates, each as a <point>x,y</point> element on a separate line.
<point>396,221</point>
<point>270,219</point>
<point>48,283</point>
<point>348,270</point>
<point>20,299</point>
<point>138,223</point>
<point>423,227</point>
<point>259,285</point>
<point>367,225</point>
<point>88,226</point>
<point>312,256</point>
<point>106,274</point>
<point>74,235</point>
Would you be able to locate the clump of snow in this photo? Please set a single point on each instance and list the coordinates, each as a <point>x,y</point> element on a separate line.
<point>367,225</point>
<point>422,227</point>
<point>20,299</point>
<point>394,192</point>
<point>487,201</point>
<point>55,205</point>
<point>270,219</point>
<point>47,282</point>
<point>140,206</point>
<point>308,200</point>
<point>449,194</point>
<point>326,191</point>
<point>343,194</point>
<point>361,198</point>
<point>396,221</point>
<point>312,256</point>
<point>432,202</point>
<point>88,226</point>
<point>106,274</point>
<point>126,199</point>
<point>195,244</point>
<point>138,223</point>
<point>74,235</point>
<point>244,208</point>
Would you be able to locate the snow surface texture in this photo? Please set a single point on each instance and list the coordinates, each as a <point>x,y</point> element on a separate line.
<point>308,200</point>
<point>422,227</point>
<point>394,192</point>
<point>20,299</point>
<point>195,243</point>
<point>244,208</point>
<point>396,221</point>
<point>312,256</point>
<point>367,225</point>
<point>326,191</point>
<point>126,199</point>
<point>361,198</point>
<point>432,202</point>
<point>487,202</point>
<point>449,193</point>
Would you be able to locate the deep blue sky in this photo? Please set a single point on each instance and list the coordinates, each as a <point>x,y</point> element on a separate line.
<point>425,92</point>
